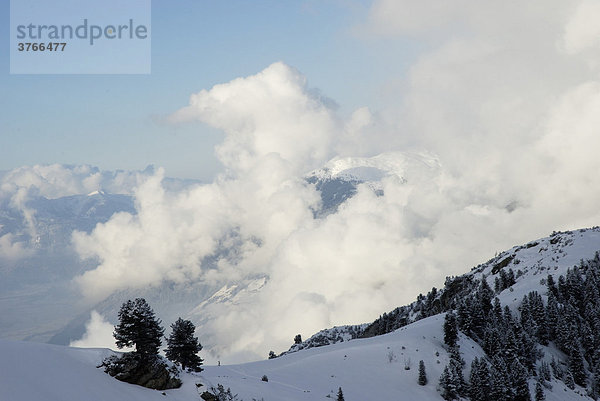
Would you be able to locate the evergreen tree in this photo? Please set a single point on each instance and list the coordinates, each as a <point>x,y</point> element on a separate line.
<point>448,386</point>
<point>528,351</point>
<point>552,316</point>
<point>538,315</point>
<point>510,349</point>
<point>478,317</point>
<point>457,379</point>
<point>568,378</point>
<point>479,388</point>
<point>544,372</point>
<point>526,320</point>
<point>138,327</point>
<point>220,394</point>
<point>464,316</point>
<point>450,329</point>
<point>551,285</point>
<point>507,315</point>
<point>556,369</point>
<point>510,278</point>
<point>340,395</point>
<point>503,281</point>
<point>562,289</point>
<point>455,356</point>
<point>183,347</point>
<point>484,296</point>
<point>422,374</point>
<point>539,392</point>
<point>500,387</point>
<point>576,366</point>
<point>595,388</point>
<point>497,309</point>
<point>519,378</point>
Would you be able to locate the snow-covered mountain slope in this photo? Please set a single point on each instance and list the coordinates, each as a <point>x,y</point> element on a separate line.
<point>339,178</point>
<point>365,369</point>
<point>372,169</point>
<point>47,223</point>
<point>531,264</point>
<point>534,261</point>
<point>334,335</point>
<point>43,372</point>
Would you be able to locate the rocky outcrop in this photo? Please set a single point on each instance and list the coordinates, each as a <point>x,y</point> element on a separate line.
<point>153,372</point>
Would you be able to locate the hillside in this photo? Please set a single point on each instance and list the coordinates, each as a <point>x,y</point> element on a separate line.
<point>366,369</point>
<point>45,372</point>
<point>375,367</point>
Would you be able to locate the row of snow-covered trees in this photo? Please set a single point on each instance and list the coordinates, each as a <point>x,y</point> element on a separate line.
<point>138,327</point>
<point>570,319</point>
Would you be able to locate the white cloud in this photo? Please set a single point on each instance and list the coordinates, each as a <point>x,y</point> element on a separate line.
<point>12,249</point>
<point>405,17</point>
<point>19,186</point>
<point>272,112</point>
<point>98,334</point>
<point>269,142</point>
<point>582,30</point>
<point>57,180</point>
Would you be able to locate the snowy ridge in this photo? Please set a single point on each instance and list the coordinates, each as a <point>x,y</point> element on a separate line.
<point>372,169</point>
<point>531,263</point>
<point>338,180</point>
<point>231,294</point>
<point>534,261</point>
<point>334,335</point>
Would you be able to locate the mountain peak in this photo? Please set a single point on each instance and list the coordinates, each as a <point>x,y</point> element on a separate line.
<point>97,192</point>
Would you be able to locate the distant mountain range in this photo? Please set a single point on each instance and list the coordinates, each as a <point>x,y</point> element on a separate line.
<point>36,289</point>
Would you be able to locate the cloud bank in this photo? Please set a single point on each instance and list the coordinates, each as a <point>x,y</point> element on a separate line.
<point>505,98</point>
<point>19,186</point>
<point>98,333</point>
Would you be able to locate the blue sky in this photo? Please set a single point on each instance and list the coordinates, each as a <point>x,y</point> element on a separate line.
<point>114,121</point>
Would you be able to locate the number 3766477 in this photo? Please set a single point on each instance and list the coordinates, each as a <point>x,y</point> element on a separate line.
<point>41,47</point>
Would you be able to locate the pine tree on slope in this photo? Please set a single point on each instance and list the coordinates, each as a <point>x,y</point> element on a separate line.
<point>422,374</point>
<point>340,395</point>
<point>448,386</point>
<point>539,392</point>
<point>139,327</point>
<point>519,376</point>
<point>568,380</point>
<point>450,329</point>
<point>479,388</point>
<point>499,381</point>
<point>183,347</point>
<point>576,366</point>
<point>452,381</point>
<point>595,387</point>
